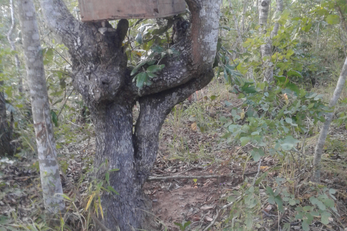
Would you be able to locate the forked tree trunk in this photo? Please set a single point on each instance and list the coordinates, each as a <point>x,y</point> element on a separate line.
<point>103,79</point>
<point>114,142</point>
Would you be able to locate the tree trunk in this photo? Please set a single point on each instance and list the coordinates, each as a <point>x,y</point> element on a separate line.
<point>49,168</point>
<point>102,77</point>
<point>266,49</point>
<point>328,118</point>
<point>114,141</point>
<point>5,130</point>
<point>13,48</point>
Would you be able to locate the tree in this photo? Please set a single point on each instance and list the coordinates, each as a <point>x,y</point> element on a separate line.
<point>49,167</point>
<point>102,77</point>
<point>328,119</point>
<point>266,49</point>
<point>6,148</point>
<point>6,128</point>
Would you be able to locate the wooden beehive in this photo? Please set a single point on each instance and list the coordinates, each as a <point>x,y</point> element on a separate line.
<point>94,10</point>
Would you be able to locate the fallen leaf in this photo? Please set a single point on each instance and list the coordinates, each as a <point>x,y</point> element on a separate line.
<point>194,127</point>
<point>268,208</point>
<point>207,207</point>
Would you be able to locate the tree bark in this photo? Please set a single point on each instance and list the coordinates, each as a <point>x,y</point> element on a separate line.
<point>266,49</point>
<point>49,168</point>
<point>278,12</point>
<point>328,118</point>
<point>6,148</point>
<point>103,79</point>
<point>13,48</point>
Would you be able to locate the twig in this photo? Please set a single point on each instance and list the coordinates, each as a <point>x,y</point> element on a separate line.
<point>216,217</point>
<point>185,177</point>
<point>256,176</point>
<point>62,107</point>
<point>193,177</point>
<point>17,177</point>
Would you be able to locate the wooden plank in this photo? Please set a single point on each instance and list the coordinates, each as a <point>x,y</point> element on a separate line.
<point>95,10</point>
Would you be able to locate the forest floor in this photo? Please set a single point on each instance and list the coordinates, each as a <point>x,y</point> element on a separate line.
<point>194,179</point>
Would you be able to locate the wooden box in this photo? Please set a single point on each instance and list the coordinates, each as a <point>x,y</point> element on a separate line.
<point>95,10</point>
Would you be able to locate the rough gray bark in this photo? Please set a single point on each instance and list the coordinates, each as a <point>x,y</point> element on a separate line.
<point>49,168</point>
<point>6,148</point>
<point>102,77</point>
<point>328,118</point>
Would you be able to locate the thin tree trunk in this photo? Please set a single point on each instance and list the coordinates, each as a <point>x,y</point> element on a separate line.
<point>265,49</point>
<point>239,40</point>
<point>328,118</point>
<point>5,130</point>
<point>245,5</point>
<point>49,168</point>
<point>278,12</point>
<point>13,48</point>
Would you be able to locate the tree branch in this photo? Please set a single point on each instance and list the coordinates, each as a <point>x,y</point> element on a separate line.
<point>61,21</point>
<point>153,111</point>
<point>197,48</point>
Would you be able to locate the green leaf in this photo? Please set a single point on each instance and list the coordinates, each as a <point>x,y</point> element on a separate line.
<point>65,196</point>
<point>279,202</point>
<point>213,97</point>
<point>305,226</point>
<point>151,75</point>
<point>4,220</point>
<point>329,202</point>
<point>321,206</point>
<point>48,56</point>
<point>54,118</point>
<point>186,224</point>
<point>155,68</point>
<point>249,88</point>
<point>111,189</point>
<point>333,19</point>
<point>157,49</point>
<point>269,191</point>
<point>325,217</point>
<point>244,140</point>
<point>107,177</point>
<point>141,79</point>
<point>139,38</point>
<point>292,202</point>
<point>136,69</point>
<point>288,143</point>
<point>293,87</point>
<point>257,153</point>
